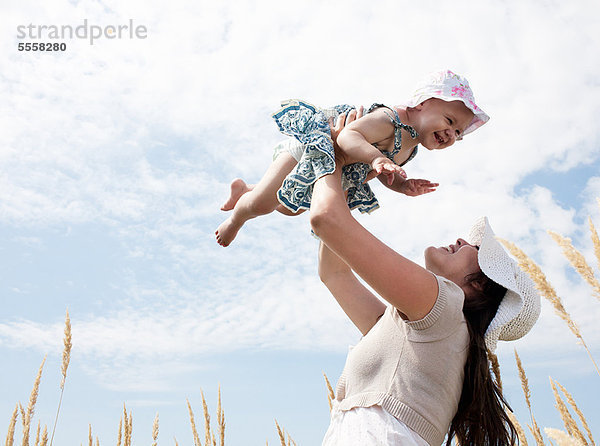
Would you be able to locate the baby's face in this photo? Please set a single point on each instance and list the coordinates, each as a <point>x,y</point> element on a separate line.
<point>440,123</point>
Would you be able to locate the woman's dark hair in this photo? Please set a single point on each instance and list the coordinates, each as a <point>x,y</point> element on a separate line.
<point>481,419</point>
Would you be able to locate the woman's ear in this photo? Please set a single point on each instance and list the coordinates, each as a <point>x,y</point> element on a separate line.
<point>479,284</point>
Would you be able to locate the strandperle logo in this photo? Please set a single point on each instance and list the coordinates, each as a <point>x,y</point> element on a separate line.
<point>83,31</point>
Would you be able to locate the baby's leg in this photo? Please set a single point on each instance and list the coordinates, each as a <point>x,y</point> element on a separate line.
<point>260,200</point>
<point>238,188</point>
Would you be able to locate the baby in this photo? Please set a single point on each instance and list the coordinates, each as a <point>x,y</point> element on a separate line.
<point>441,111</point>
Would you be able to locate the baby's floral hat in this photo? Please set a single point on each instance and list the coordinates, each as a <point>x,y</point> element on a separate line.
<point>449,86</point>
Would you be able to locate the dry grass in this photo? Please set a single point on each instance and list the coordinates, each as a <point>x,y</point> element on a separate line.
<point>565,415</point>
<point>548,291</point>
<point>534,428</point>
<point>66,359</point>
<point>193,424</point>
<point>10,436</point>
<point>542,285</point>
<point>282,436</point>
<point>155,431</point>
<point>573,435</point>
<point>220,419</point>
<point>561,437</point>
<point>520,431</point>
<point>595,241</point>
<point>578,261</point>
<point>574,406</point>
<point>120,434</point>
<point>330,392</point>
<point>495,368</point>
<point>44,441</point>
<point>208,437</point>
<point>28,415</point>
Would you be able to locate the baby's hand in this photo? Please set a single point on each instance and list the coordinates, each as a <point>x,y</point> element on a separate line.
<point>413,187</point>
<point>383,165</point>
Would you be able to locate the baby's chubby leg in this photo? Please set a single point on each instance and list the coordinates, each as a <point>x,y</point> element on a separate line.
<point>260,200</point>
<point>238,188</point>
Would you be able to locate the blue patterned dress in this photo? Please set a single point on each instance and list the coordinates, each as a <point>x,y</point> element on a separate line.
<point>310,125</point>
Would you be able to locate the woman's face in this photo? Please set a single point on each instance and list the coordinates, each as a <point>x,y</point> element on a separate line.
<point>454,262</point>
<point>440,123</point>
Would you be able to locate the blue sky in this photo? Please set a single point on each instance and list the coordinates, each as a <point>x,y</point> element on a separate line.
<point>115,158</point>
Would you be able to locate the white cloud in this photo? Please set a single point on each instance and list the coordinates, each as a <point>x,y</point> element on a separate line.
<point>142,136</point>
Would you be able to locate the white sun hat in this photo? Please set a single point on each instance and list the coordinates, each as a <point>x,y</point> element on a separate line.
<point>449,86</point>
<point>520,307</point>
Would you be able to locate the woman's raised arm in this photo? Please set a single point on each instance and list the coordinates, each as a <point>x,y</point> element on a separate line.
<point>407,286</point>
<point>362,307</point>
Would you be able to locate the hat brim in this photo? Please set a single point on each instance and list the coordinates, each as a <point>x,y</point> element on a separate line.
<point>479,116</point>
<point>520,307</point>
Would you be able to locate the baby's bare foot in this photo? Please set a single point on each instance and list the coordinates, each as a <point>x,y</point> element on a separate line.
<point>238,188</point>
<point>226,232</point>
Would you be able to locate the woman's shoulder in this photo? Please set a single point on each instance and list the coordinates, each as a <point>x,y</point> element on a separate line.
<point>446,314</point>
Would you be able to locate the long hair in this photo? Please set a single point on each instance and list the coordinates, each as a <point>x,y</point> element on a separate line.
<point>481,419</point>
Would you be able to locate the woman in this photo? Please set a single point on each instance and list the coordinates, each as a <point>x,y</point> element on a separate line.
<point>421,372</point>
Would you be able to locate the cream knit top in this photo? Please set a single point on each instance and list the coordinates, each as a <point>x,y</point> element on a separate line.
<point>413,369</point>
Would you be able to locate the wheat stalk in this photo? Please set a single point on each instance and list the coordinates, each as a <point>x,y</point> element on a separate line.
<point>330,392</point>
<point>120,431</point>
<point>90,439</point>
<point>66,359</point>
<point>193,423</point>
<point>595,240</point>
<point>544,287</point>
<point>495,368</point>
<point>130,429</point>
<point>568,420</point>
<point>535,430</point>
<point>23,416</point>
<point>281,434</point>
<point>220,419</point>
<point>155,430</point>
<point>572,403</point>
<point>578,261</point>
<point>207,434</point>
<point>127,426</point>
<point>44,436</point>
<point>37,434</point>
<point>561,437</point>
<point>520,432</point>
<point>28,415</point>
<point>176,444</point>
<point>66,356</point>
<point>10,436</point>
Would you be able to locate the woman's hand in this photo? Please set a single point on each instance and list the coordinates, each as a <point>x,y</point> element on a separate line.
<point>342,121</point>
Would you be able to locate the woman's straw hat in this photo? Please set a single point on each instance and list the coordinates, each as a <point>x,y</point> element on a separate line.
<point>520,307</point>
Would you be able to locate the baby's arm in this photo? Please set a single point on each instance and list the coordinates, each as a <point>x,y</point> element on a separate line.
<point>357,138</point>
<point>411,186</point>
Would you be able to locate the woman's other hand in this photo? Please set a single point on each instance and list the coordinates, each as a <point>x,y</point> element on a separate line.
<point>342,121</point>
